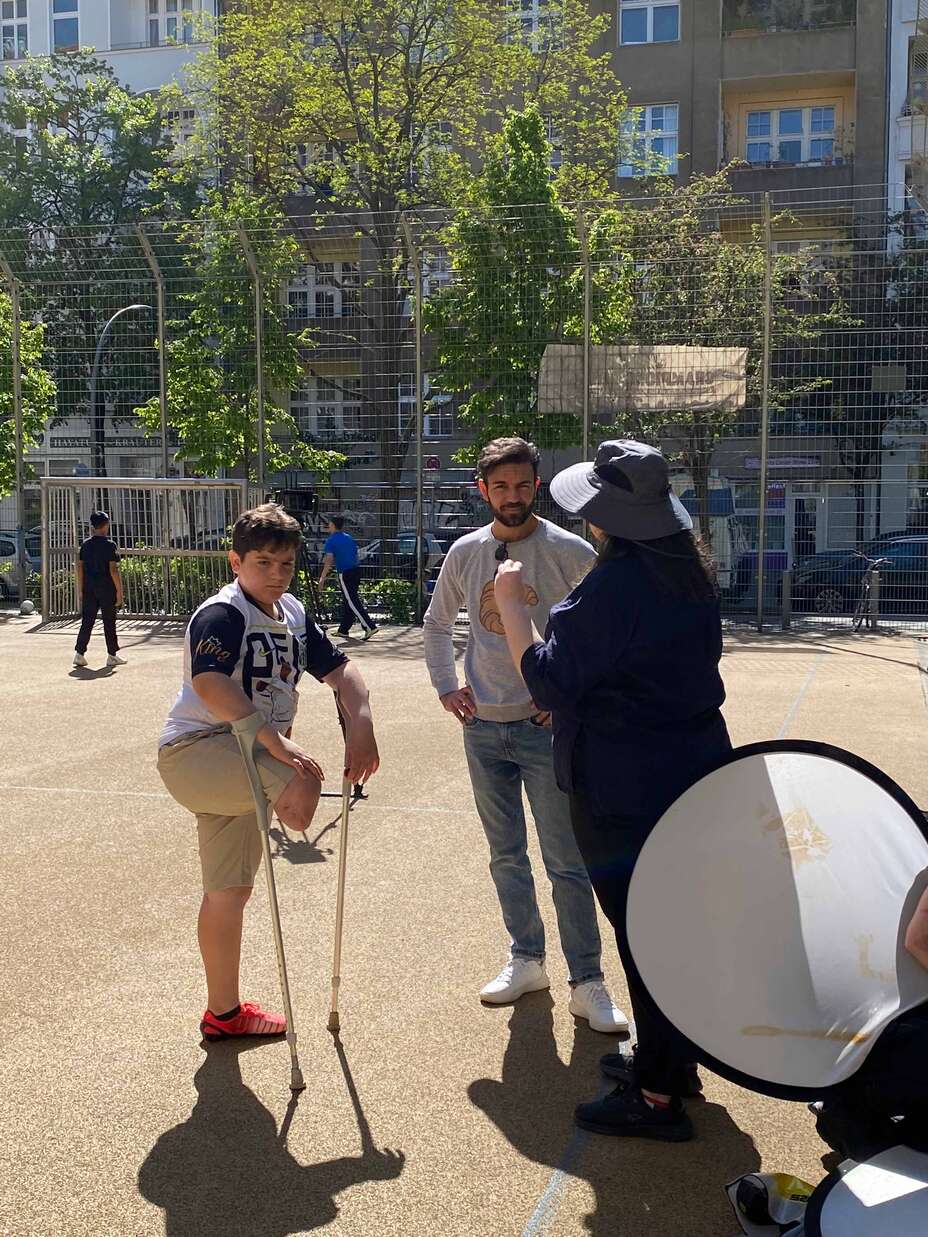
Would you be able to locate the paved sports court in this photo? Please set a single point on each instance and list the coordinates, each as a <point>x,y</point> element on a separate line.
<point>433,1115</point>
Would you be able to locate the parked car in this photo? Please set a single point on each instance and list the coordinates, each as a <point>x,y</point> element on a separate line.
<point>829,582</point>
<point>370,557</point>
<point>8,558</point>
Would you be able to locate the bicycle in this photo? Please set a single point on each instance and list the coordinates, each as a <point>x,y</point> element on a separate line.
<point>863,613</point>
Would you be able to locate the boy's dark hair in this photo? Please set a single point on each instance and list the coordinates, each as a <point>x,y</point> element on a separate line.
<point>338,521</point>
<point>98,519</point>
<point>507,451</point>
<point>265,527</point>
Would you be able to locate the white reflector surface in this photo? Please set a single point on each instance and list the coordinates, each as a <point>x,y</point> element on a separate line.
<point>767,912</point>
<point>883,1197</point>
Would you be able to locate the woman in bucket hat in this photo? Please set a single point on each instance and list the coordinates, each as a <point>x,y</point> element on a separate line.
<point>629,669</point>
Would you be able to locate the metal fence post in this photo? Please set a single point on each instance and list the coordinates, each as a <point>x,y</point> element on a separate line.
<point>158,277</point>
<point>583,235</point>
<point>415,259</point>
<point>873,612</point>
<point>46,558</point>
<point>764,416</point>
<point>17,426</point>
<point>258,284</point>
<point>786,601</point>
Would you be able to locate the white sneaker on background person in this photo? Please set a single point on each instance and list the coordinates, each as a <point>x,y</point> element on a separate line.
<point>592,1001</point>
<point>518,976</point>
<point>79,660</point>
<point>115,660</point>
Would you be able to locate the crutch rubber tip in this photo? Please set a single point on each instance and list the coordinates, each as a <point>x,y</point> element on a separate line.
<point>334,1024</point>
<point>296,1080</point>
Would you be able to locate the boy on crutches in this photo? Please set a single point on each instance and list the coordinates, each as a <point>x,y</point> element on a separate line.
<point>244,652</point>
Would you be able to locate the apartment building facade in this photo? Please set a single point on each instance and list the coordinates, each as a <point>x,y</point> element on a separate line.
<point>907,97</point>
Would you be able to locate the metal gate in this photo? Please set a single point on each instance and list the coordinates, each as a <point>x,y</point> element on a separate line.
<point>173,539</point>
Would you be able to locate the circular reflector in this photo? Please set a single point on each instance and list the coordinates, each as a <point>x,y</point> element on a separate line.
<point>767,913</point>
<point>886,1196</point>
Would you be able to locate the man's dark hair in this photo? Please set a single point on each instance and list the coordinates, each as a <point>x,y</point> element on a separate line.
<point>267,527</point>
<point>98,519</point>
<point>338,521</point>
<point>507,451</point>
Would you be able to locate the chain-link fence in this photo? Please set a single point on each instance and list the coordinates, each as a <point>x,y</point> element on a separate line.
<point>773,345</point>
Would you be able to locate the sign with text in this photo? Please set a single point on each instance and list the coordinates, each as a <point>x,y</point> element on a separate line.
<point>642,378</point>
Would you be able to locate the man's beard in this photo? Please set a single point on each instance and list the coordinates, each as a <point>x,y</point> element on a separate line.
<point>513,514</point>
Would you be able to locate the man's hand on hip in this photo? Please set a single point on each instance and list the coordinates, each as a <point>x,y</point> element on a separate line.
<point>460,703</point>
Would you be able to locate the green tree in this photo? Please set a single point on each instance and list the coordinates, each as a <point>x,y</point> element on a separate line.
<point>81,159</point>
<point>212,358</point>
<point>380,107</point>
<point>38,391</point>
<point>518,287</point>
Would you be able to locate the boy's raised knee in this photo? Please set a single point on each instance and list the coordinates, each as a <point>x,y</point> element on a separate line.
<point>298,802</point>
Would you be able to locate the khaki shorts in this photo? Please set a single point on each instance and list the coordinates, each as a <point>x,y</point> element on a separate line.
<point>205,774</point>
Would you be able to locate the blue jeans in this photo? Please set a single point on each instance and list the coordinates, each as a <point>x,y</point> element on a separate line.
<point>502,757</point>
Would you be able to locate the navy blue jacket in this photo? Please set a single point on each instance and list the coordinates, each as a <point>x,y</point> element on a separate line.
<point>631,676</point>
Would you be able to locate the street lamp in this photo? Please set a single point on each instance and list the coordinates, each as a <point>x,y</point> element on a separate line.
<point>97,423</point>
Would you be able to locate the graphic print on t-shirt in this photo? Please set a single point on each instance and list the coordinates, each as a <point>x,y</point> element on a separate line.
<point>267,666</point>
<point>489,611</point>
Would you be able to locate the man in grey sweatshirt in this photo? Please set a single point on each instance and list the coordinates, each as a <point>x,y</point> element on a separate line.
<point>507,739</point>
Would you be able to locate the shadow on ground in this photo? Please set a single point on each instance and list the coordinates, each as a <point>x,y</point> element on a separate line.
<point>645,1189</point>
<point>226,1171</point>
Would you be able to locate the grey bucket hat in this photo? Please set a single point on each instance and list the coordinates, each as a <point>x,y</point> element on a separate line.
<point>625,492</point>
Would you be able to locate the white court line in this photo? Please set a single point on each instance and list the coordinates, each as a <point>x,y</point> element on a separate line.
<point>160,794</point>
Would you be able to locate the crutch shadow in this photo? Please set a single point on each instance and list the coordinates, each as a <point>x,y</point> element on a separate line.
<point>227,1172</point>
<point>302,848</point>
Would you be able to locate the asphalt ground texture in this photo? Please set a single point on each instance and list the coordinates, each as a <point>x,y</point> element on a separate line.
<point>431,1114</point>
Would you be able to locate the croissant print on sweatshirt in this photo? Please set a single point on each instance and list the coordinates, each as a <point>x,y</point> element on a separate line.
<point>489,610</point>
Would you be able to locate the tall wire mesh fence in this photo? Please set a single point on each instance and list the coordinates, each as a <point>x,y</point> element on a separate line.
<point>772,345</point>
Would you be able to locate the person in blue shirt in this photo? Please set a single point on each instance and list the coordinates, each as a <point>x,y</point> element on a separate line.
<point>629,670</point>
<point>341,552</point>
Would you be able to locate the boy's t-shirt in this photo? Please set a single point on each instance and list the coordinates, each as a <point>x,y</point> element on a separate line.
<point>96,553</point>
<point>344,549</point>
<point>229,634</point>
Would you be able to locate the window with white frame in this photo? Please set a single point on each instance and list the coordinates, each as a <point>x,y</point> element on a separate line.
<point>553,136</point>
<point>169,21</point>
<point>649,21</point>
<point>15,16</point>
<point>65,26</point>
<point>791,135</point>
<point>326,290</point>
<point>651,141</point>
<point>438,415</point>
<point>327,408</point>
<point>181,123</point>
<point>535,22</point>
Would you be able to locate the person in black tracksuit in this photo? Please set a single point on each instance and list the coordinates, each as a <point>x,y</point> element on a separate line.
<point>629,670</point>
<point>341,553</point>
<point>99,589</point>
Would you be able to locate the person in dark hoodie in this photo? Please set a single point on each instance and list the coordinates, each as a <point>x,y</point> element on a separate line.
<point>629,670</point>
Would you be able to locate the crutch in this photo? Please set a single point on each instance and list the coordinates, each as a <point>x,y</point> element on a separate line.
<point>246,731</point>
<point>334,1023</point>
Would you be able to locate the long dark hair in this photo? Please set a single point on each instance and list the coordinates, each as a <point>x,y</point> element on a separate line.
<point>680,564</point>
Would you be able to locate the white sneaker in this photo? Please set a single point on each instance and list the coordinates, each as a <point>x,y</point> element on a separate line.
<point>79,659</point>
<point>593,1002</point>
<point>115,660</point>
<point>518,976</point>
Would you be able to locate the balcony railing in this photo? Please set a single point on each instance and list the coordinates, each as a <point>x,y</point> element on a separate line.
<point>771,16</point>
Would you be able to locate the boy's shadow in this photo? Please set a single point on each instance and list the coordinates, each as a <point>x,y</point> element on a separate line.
<point>646,1188</point>
<point>302,848</point>
<point>227,1172</point>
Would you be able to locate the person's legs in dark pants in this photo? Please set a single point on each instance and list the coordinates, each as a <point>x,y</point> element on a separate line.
<point>353,608</point>
<point>610,847</point>
<point>89,607</point>
<point>108,610</point>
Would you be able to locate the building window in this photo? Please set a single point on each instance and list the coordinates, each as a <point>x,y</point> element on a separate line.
<point>15,29</point>
<point>65,26</point>
<point>791,135</point>
<point>438,414</point>
<point>651,141</point>
<point>326,290</point>
<point>553,136</point>
<point>535,21</point>
<point>169,21</point>
<point>917,102</point>
<point>648,21</point>
<point>327,408</point>
<point>180,123</point>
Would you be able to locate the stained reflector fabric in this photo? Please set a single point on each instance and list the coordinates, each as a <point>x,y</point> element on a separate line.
<point>767,912</point>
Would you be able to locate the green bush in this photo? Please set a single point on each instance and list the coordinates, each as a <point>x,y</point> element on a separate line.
<point>395,599</point>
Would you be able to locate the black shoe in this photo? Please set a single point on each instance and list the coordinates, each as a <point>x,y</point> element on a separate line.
<point>621,1067</point>
<point>625,1114</point>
